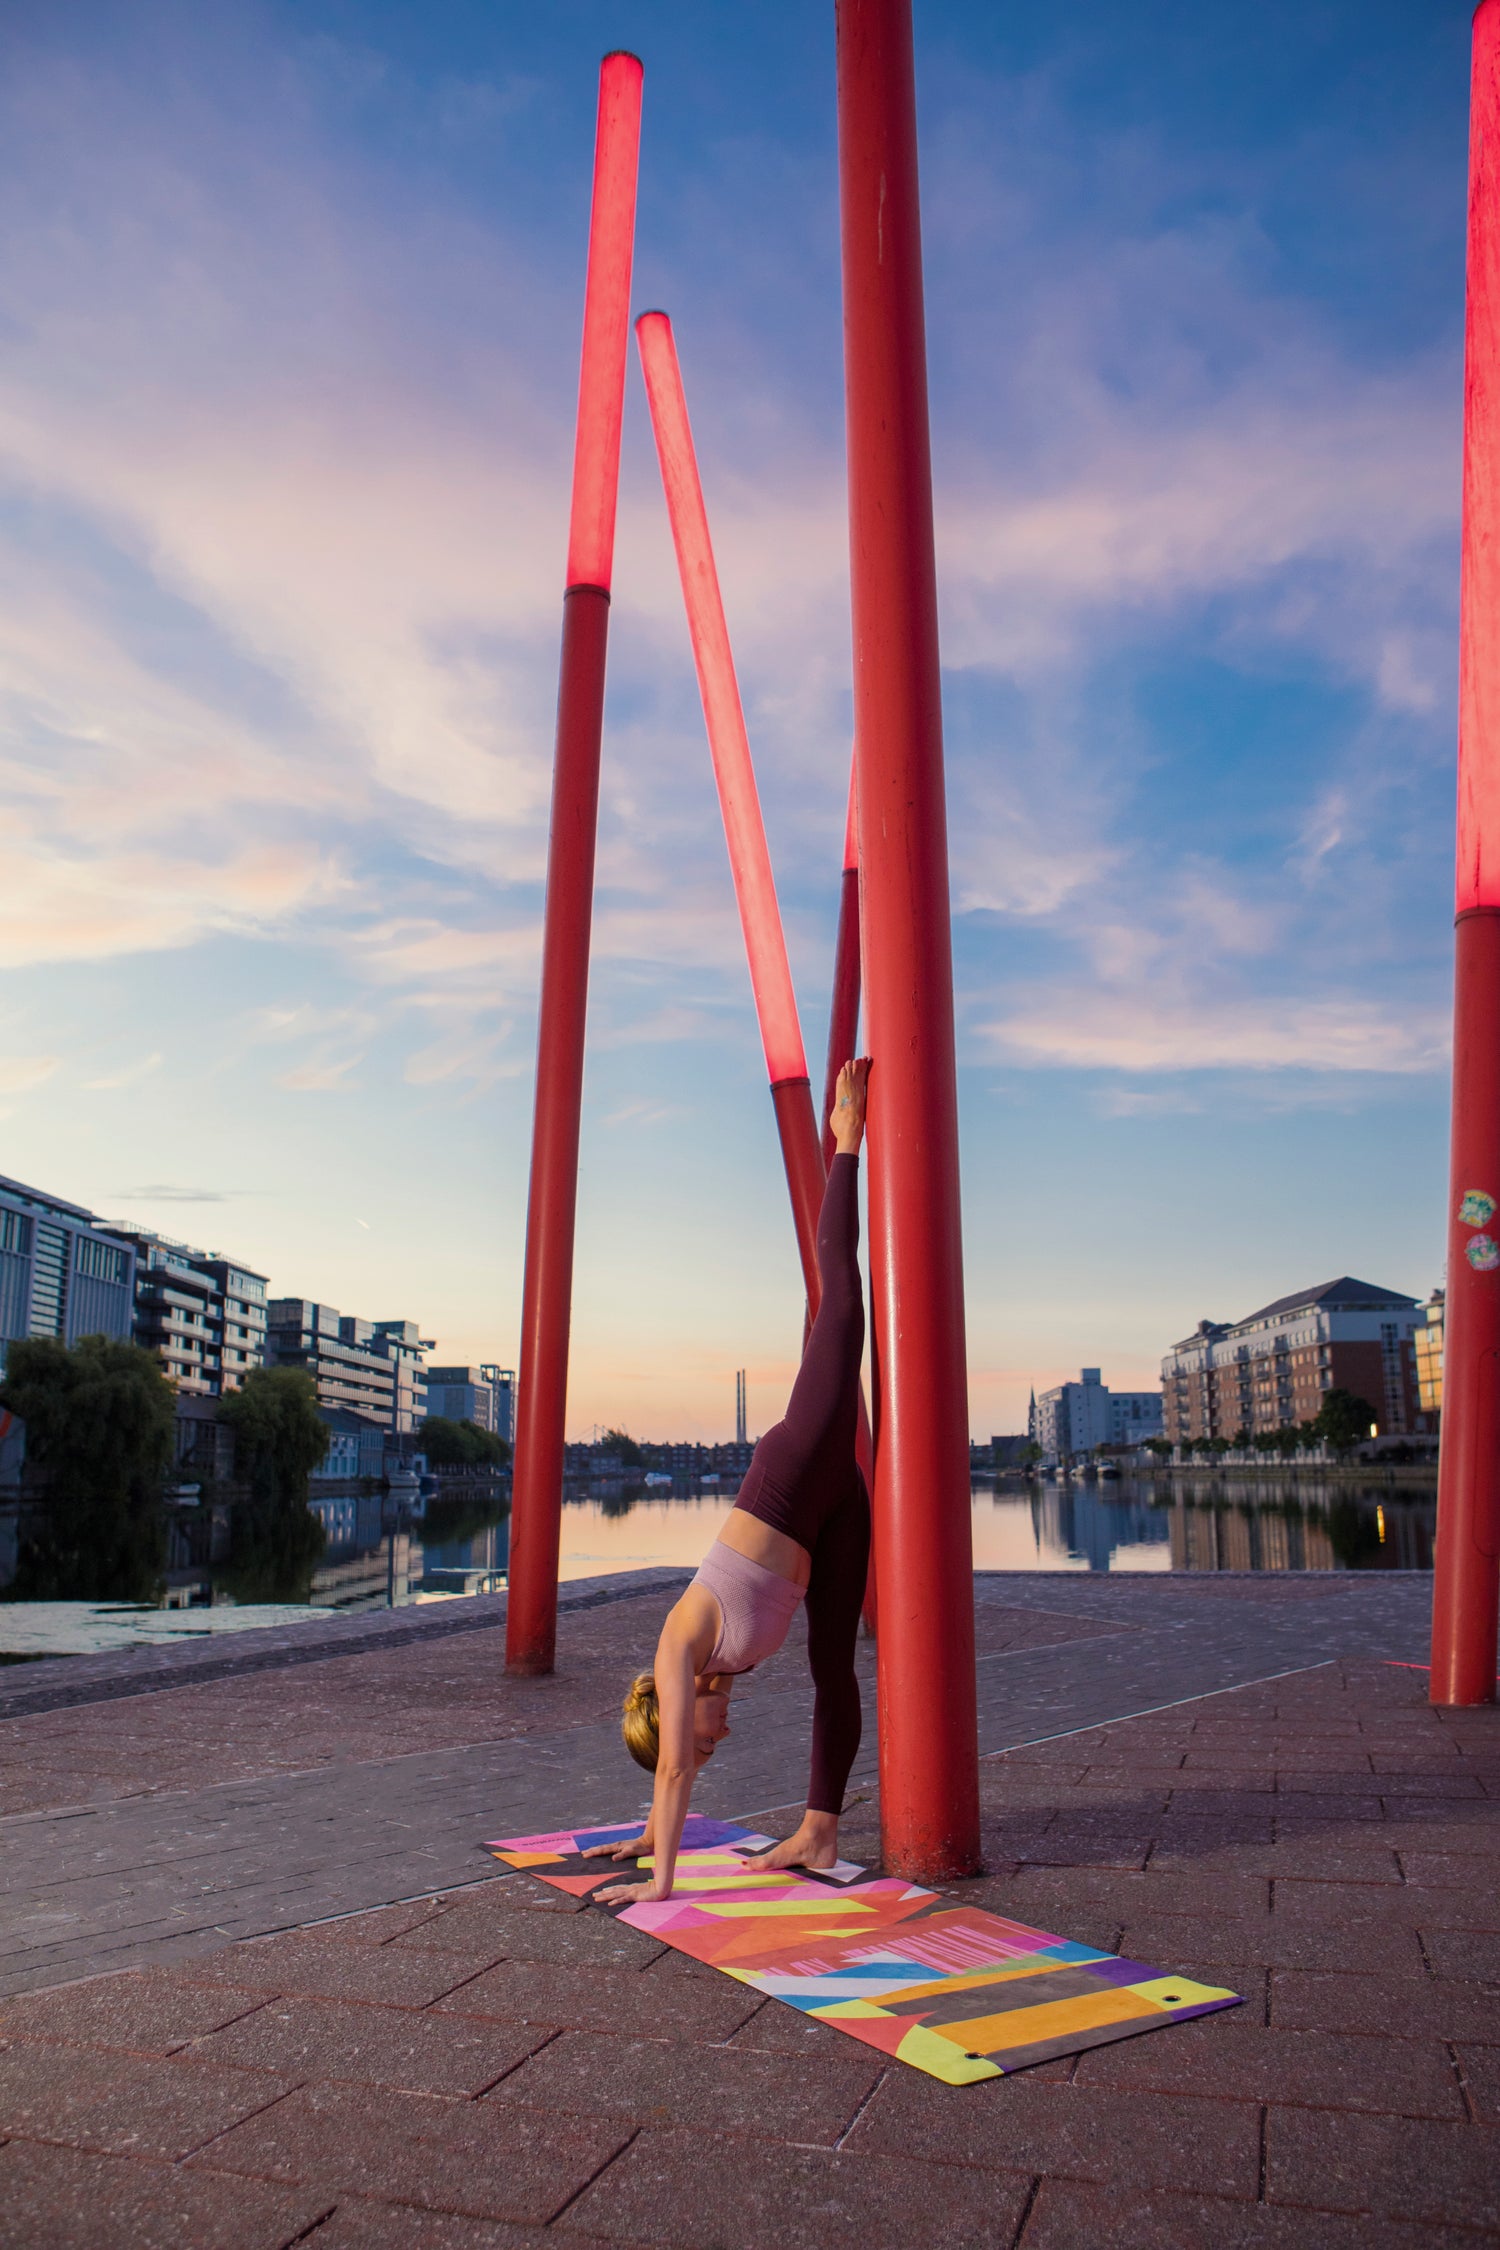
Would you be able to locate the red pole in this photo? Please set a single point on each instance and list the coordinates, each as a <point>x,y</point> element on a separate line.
<point>1466,1564</point>
<point>547,1290</point>
<point>739,800</point>
<point>929,1771</point>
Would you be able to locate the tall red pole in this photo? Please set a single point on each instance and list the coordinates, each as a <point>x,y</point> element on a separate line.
<point>1466,1564</point>
<point>739,799</point>
<point>929,1773</point>
<point>547,1290</point>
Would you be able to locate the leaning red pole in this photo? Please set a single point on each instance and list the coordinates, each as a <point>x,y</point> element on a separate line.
<point>1466,1562</point>
<point>547,1290</point>
<point>739,800</point>
<point>929,1771</point>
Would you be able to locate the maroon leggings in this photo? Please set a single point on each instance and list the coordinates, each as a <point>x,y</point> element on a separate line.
<point>803,1480</point>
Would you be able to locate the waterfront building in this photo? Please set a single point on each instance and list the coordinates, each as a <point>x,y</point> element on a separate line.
<point>373,1367</point>
<point>1427,1345</point>
<point>356,1447</point>
<point>1077,1417</point>
<point>1273,1369</point>
<point>62,1273</point>
<point>481,1395</point>
<point>502,1382</point>
<point>202,1315</point>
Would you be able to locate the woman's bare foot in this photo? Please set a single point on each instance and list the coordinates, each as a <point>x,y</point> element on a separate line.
<point>816,1844</point>
<point>847,1120</point>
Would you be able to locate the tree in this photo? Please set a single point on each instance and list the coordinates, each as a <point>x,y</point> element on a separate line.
<point>624,1448</point>
<point>461,1445</point>
<point>1160,1446</point>
<point>99,1421</point>
<point>279,1439</point>
<point>1344,1420</point>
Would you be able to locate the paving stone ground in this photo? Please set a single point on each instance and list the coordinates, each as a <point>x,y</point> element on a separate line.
<point>493,2067</point>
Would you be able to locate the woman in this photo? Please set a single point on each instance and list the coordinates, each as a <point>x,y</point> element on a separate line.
<point>799,1531</point>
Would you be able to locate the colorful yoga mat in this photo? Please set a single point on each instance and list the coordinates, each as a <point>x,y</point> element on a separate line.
<point>952,1990</point>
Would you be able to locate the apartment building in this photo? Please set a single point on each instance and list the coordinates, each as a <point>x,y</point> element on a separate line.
<point>62,1273</point>
<point>1274,1368</point>
<point>373,1367</point>
<point>1076,1417</point>
<point>203,1315</point>
<point>481,1395</point>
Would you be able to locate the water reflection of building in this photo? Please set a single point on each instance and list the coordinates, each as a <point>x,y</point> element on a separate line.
<point>1092,1528</point>
<point>476,1565</point>
<point>1286,1526</point>
<point>1229,1538</point>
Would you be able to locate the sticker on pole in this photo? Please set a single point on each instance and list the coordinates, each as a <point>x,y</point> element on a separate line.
<point>1476,1210</point>
<point>1482,1252</point>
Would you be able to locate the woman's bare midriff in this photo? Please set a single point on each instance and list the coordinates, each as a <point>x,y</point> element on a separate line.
<point>758,1543</point>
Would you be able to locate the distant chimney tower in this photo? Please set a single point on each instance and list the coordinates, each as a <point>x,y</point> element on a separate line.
<point>740,1437</point>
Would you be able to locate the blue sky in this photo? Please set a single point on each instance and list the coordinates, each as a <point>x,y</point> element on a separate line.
<point>289,310</point>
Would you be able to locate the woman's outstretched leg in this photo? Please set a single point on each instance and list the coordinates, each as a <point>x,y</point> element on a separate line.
<point>801,1466</point>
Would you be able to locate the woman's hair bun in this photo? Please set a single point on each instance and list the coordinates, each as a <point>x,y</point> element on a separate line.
<point>640,1721</point>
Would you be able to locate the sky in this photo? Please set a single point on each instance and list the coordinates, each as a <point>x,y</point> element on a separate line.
<point>290,299</point>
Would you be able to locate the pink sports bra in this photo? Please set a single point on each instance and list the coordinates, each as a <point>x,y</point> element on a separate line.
<point>756,1608</point>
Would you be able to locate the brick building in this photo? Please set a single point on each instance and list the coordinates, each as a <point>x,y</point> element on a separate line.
<point>1275,1367</point>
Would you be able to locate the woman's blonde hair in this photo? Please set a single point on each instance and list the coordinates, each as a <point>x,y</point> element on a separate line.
<point>641,1721</point>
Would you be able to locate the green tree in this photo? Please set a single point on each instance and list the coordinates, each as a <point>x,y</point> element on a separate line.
<point>1160,1446</point>
<point>99,1433</point>
<point>1344,1420</point>
<point>624,1448</point>
<point>461,1445</point>
<point>279,1439</point>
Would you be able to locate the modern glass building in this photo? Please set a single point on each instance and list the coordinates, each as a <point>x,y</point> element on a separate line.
<point>61,1273</point>
<point>373,1367</point>
<point>481,1395</point>
<point>204,1316</point>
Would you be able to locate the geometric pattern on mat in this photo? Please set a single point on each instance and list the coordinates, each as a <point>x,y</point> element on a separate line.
<point>952,1990</point>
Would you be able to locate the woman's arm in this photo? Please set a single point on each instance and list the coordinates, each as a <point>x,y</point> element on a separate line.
<point>676,1767</point>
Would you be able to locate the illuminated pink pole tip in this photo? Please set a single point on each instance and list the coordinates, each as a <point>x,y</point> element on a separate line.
<point>606,324</point>
<point>749,860</point>
<point>851,823</point>
<point>1478,641</point>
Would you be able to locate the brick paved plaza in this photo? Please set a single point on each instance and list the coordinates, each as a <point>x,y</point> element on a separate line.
<point>490,2067</point>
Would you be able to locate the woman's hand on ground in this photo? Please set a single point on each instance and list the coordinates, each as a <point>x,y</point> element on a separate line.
<point>624,1894</point>
<point>634,1847</point>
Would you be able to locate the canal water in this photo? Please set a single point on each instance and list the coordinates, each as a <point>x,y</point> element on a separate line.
<point>1190,1523</point>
